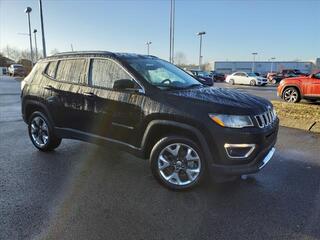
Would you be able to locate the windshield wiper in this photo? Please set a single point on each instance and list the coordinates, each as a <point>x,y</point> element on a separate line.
<point>193,86</point>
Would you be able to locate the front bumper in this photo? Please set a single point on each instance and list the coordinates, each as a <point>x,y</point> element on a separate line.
<point>261,161</point>
<point>264,141</point>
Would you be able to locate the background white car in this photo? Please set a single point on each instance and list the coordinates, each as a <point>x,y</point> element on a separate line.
<point>246,78</point>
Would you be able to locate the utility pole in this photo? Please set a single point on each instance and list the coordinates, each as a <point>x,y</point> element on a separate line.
<point>272,59</point>
<point>148,47</point>
<point>200,49</point>
<point>254,61</point>
<point>35,43</point>
<point>42,30</point>
<point>71,47</point>
<point>27,11</point>
<point>172,22</point>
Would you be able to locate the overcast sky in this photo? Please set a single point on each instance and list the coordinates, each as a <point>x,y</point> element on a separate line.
<point>284,29</point>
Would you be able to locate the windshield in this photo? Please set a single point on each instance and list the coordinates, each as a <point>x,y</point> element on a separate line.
<point>252,75</point>
<point>163,74</point>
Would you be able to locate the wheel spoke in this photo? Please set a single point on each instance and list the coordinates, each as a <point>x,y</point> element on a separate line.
<point>192,173</point>
<point>33,128</point>
<point>37,121</point>
<point>174,178</point>
<point>163,163</point>
<point>189,156</point>
<point>175,150</point>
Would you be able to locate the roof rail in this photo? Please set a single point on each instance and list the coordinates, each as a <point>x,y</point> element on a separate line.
<point>83,52</point>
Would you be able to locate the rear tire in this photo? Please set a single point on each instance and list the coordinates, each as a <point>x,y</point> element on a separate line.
<point>231,82</point>
<point>41,132</point>
<point>177,163</point>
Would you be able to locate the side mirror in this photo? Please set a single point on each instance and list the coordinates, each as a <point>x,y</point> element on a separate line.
<point>123,84</point>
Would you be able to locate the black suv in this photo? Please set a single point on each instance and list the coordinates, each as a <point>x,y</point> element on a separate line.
<point>151,108</point>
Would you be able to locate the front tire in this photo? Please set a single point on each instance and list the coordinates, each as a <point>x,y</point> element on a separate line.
<point>252,83</point>
<point>41,132</point>
<point>291,94</point>
<point>177,163</point>
<point>231,82</point>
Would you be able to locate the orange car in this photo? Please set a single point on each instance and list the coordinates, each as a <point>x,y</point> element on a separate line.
<point>303,87</point>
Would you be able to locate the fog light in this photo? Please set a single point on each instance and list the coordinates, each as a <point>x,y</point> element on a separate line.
<point>239,150</point>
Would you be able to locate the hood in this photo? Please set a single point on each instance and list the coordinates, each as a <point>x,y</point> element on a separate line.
<point>226,100</point>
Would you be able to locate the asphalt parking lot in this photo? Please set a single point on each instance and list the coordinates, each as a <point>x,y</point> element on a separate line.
<point>82,191</point>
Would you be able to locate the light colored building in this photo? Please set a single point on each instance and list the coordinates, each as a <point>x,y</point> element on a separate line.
<point>261,66</point>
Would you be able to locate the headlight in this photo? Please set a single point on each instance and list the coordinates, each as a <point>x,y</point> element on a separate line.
<point>232,121</point>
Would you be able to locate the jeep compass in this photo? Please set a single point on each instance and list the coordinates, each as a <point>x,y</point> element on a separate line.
<point>151,108</point>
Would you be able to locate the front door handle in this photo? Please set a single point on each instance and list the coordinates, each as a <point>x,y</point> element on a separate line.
<point>49,87</point>
<point>89,94</point>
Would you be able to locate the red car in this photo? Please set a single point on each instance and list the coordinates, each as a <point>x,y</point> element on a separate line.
<point>296,88</point>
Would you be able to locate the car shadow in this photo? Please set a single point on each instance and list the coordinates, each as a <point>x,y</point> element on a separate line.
<point>117,190</point>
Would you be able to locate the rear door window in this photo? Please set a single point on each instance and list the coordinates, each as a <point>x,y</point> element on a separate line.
<point>104,72</point>
<point>72,70</point>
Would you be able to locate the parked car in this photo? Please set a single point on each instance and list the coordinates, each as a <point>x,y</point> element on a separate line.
<point>151,108</point>
<point>285,73</point>
<point>303,87</point>
<point>16,70</point>
<point>202,76</point>
<point>218,77</point>
<point>246,78</point>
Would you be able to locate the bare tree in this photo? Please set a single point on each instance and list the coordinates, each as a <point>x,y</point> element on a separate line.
<point>180,59</point>
<point>54,51</point>
<point>207,67</point>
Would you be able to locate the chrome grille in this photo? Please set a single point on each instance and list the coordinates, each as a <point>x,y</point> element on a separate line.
<point>265,119</point>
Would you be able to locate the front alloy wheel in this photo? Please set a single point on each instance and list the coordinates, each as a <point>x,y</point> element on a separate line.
<point>177,163</point>
<point>291,95</point>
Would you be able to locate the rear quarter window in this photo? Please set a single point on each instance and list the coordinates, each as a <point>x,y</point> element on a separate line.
<point>51,69</point>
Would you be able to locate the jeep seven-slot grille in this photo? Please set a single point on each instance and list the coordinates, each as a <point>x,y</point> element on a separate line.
<point>265,119</point>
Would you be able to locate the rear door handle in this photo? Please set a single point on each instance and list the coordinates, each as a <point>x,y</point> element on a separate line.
<point>49,87</point>
<point>89,94</point>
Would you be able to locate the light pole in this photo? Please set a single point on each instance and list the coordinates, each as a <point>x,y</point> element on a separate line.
<point>27,11</point>
<point>148,46</point>
<point>172,20</point>
<point>254,61</point>
<point>35,43</point>
<point>42,30</point>
<point>200,49</point>
<point>272,59</point>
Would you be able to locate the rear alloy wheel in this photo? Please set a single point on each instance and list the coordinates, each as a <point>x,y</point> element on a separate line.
<point>291,94</point>
<point>252,82</point>
<point>177,163</point>
<point>41,133</point>
<point>231,81</point>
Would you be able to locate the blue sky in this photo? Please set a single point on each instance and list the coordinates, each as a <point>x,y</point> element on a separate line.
<point>284,29</point>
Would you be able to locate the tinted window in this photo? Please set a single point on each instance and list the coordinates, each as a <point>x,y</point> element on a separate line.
<point>317,75</point>
<point>72,70</point>
<point>104,72</point>
<point>51,69</point>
